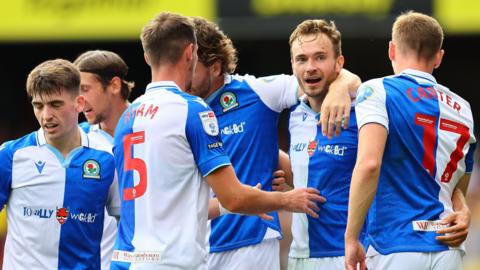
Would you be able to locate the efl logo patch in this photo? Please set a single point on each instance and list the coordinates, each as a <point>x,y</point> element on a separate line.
<point>364,93</point>
<point>91,169</point>
<point>62,215</point>
<point>228,100</point>
<point>209,123</point>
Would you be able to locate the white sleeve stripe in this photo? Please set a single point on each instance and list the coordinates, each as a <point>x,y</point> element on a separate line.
<point>217,167</point>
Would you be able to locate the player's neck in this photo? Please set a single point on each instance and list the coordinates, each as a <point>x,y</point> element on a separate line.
<point>410,63</point>
<point>108,125</point>
<point>315,102</point>
<point>218,83</point>
<point>170,72</point>
<point>67,143</point>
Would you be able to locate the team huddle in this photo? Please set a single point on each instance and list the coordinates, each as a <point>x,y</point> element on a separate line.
<point>190,176</point>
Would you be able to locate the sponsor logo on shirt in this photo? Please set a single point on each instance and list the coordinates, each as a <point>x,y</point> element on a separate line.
<point>39,212</point>
<point>62,214</point>
<point>298,147</point>
<point>312,146</point>
<point>215,145</point>
<point>428,225</point>
<point>209,122</point>
<point>91,169</point>
<point>40,164</point>
<point>233,129</point>
<point>335,150</point>
<point>228,100</point>
<point>137,256</point>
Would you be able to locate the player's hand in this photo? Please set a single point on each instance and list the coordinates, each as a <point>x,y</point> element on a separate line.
<point>303,200</point>
<point>457,232</point>
<point>279,182</point>
<point>335,111</point>
<point>354,255</point>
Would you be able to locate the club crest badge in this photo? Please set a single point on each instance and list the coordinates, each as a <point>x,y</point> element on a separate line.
<point>209,123</point>
<point>91,169</point>
<point>228,100</point>
<point>312,146</point>
<point>62,215</point>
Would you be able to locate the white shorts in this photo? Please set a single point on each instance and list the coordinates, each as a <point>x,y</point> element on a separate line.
<point>264,255</point>
<point>330,263</point>
<point>442,260</point>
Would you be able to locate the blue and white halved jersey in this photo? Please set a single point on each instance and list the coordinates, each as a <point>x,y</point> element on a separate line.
<point>165,143</point>
<point>55,205</point>
<point>110,223</point>
<point>248,110</point>
<point>327,165</point>
<point>428,149</point>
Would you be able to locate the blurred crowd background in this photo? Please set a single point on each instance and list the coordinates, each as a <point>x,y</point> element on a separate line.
<point>33,31</point>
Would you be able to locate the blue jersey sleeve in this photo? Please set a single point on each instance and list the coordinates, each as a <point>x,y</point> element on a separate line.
<point>5,174</point>
<point>469,158</point>
<point>202,133</point>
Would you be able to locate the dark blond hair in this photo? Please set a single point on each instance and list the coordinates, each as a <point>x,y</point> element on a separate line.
<point>165,37</point>
<point>105,65</point>
<point>53,77</point>
<point>309,27</point>
<point>214,45</point>
<point>418,33</point>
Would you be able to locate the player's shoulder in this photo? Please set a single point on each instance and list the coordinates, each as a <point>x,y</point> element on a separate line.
<point>455,96</point>
<point>98,145</point>
<point>370,88</point>
<point>263,80</point>
<point>10,147</point>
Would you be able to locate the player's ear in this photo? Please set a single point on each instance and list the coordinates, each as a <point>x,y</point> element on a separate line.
<point>339,64</point>
<point>146,59</point>
<point>79,103</point>
<point>391,51</point>
<point>438,58</point>
<point>115,85</point>
<point>189,51</point>
<point>216,68</point>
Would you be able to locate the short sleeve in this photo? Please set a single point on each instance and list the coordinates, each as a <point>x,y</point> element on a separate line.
<point>278,92</point>
<point>469,158</point>
<point>370,104</point>
<point>5,174</point>
<point>203,135</point>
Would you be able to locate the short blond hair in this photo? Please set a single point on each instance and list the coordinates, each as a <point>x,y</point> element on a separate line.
<point>315,27</point>
<point>165,37</point>
<point>414,32</point>
<point>53,77</point>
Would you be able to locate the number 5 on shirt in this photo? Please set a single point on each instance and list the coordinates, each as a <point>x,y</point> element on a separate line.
<point>136,164</point>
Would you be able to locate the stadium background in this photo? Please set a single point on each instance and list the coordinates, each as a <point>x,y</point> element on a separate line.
<point>33,31</point>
